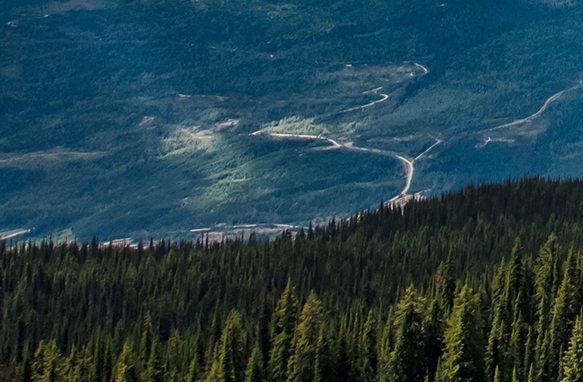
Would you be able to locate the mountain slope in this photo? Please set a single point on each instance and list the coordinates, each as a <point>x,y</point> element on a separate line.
<point>137,119</point>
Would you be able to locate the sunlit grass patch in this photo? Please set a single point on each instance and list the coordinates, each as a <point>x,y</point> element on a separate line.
<point>296,125</point>
<point>187,141</point>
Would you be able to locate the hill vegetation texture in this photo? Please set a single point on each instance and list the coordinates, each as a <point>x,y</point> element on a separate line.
<point>151,118</point>
<point>478,285</point>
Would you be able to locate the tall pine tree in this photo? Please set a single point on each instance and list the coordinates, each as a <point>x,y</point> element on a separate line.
<point>407,362</point>
<point>463,356</point>
<point>302,362</point>
<point>283,326</point>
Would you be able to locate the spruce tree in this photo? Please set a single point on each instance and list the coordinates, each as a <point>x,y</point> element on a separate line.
<point>229,363</point>
<point>154,369</point>
<point>497,349</point>
<point>47,365</point>
<point>407,362</point>
<point>564,312</point>
<point>302,362</point>
<point>516,285</point>
<point>146,340</point>
<point>69,366</point>
<point>515,377</point>
<point>463,356</point>
<point>385,348</point>
<point>545,281</point>
<point>517,347</point>
<point>193,370</point>
<point>324,368</point>
<point>368,352</point>
<point>446,283</point>
<point>283,326</point>
<point>83,367</point>
<point>23,370</point>
<point>572,362</point>
<point>125,368</point>
<point>174,356</point>
<point>433,328</point>
<point>254,372</point>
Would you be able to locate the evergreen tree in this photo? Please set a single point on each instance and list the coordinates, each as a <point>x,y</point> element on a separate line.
<point>515,377</point>
<point>228,363</point>
<point>368,353</point>
<point>154,370</point>
<point>463,356</point>
<point>564,311</point>
<point>385,348</point>
<point>407,361</point>
<point>254,372</point>
<point>193,370</point>
<point>517,348</point>
<point>125,368</point>
<point>77,366</point>
<point>68,368</point>
<point>528,359</point>
<point>324,368</point>
<point>23,370</point>
<point>146,340</point>
<point>284,323</point>
<point>509,305</point>
<point>47,365</point>
<point>302,362</point>
<point>83,367</point>
<point>498,346</point>
<point>433,338</point>
<point>544,284</point>
<point>446,283</point>
<point>517,293</point>
<point>174,356</point>
<point>572,362</point>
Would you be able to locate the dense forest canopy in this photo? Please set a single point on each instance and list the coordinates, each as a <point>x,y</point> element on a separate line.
<point>482,284</point>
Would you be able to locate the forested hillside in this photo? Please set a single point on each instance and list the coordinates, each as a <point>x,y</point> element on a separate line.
<point>482,285</point>
<point>139,118</point>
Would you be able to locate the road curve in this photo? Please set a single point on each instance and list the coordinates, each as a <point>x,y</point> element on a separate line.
<point>408,164</point>
<point>409,169</point>
<point>384,97</point>
<point>299,136</point>
<point>534,116</point>
<point>425,70</point>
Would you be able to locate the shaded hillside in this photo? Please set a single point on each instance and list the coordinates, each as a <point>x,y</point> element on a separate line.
<point>157,117</point>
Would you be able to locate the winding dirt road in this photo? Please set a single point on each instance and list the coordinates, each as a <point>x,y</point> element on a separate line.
<point>384,97</point>
<point>534,116</point>
<point>408,164</point>
<point>409,170</point>
<point>301,136</point>
<point>425,70</point>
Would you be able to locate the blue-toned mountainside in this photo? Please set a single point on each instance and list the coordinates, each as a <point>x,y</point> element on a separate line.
<point>139,118</point>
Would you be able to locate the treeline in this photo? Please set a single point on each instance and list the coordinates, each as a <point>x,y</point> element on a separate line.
<point>484,284</point>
